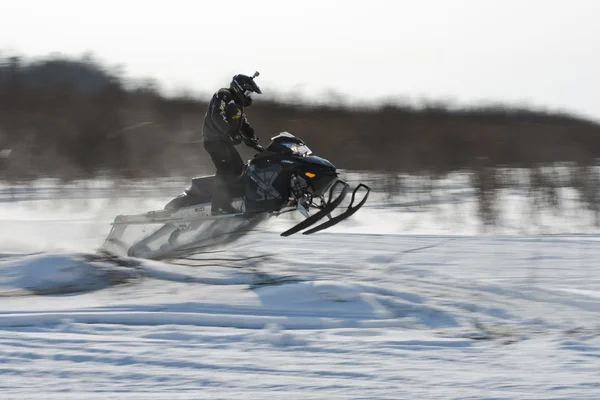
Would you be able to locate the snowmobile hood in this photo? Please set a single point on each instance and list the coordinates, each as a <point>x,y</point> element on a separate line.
<point>318,160</point>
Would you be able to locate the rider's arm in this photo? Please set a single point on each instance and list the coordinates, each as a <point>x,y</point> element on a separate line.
<point>246,129</point>
<point>249,136</point>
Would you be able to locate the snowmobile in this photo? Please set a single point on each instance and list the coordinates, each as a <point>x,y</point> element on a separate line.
<point>285,177</point>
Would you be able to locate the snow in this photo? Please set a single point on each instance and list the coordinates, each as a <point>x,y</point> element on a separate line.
<point>57,273</point>
<point>399,302</point>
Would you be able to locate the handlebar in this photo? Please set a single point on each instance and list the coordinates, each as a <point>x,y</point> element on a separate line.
<point>252,142</point>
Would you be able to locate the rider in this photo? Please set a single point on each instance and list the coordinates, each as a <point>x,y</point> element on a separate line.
<point>225,125</point>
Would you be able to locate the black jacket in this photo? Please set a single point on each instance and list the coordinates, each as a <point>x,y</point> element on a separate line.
<point>225,119</point>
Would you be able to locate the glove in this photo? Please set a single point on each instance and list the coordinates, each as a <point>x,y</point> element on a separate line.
<point>236,139</point>
<point>256,146</point>
<point>252,141</point>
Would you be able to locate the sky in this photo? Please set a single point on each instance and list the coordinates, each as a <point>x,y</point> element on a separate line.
<point>541,53</point>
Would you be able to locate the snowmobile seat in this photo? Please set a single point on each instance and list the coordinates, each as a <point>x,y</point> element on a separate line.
<point>201,187</point>
<point>199,192</point>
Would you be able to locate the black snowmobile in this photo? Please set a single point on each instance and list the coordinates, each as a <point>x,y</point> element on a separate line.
<point>283,178</point>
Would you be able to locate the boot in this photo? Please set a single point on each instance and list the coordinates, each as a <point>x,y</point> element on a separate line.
<point>221,197</point>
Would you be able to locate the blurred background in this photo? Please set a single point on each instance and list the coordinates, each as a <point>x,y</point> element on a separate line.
<point>503,94</point>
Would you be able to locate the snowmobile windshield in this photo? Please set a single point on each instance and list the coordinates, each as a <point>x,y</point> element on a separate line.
<point>298,149</point>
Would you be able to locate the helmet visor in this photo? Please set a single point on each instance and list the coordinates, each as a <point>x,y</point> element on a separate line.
<point>248,93</point>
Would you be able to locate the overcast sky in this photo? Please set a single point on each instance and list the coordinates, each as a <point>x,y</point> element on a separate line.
<point>538,52</point>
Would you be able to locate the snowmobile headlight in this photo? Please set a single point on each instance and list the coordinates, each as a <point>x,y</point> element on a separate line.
<point>304,150</point>
<point>299,149</point>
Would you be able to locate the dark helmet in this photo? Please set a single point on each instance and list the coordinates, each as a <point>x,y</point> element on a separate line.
<point>243,86</point>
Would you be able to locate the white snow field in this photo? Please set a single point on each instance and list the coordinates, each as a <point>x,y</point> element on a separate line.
<point>400,302</point>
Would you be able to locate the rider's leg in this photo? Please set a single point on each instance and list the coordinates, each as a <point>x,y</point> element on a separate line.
<point>229,166</point>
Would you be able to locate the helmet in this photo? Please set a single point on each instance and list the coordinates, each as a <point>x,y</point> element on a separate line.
<point>243,86</point>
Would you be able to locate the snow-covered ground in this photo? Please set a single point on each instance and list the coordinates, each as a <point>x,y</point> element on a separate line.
<point>400,302</point>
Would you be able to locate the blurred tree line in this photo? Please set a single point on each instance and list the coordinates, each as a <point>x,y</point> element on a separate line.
<point>75,118</point>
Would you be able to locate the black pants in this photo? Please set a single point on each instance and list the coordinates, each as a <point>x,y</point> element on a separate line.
<point>226,158</point>
<point>229,166</point>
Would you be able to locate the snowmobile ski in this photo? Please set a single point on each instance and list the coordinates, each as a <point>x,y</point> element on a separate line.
<point>327,209</point>
<point>346,214</point>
